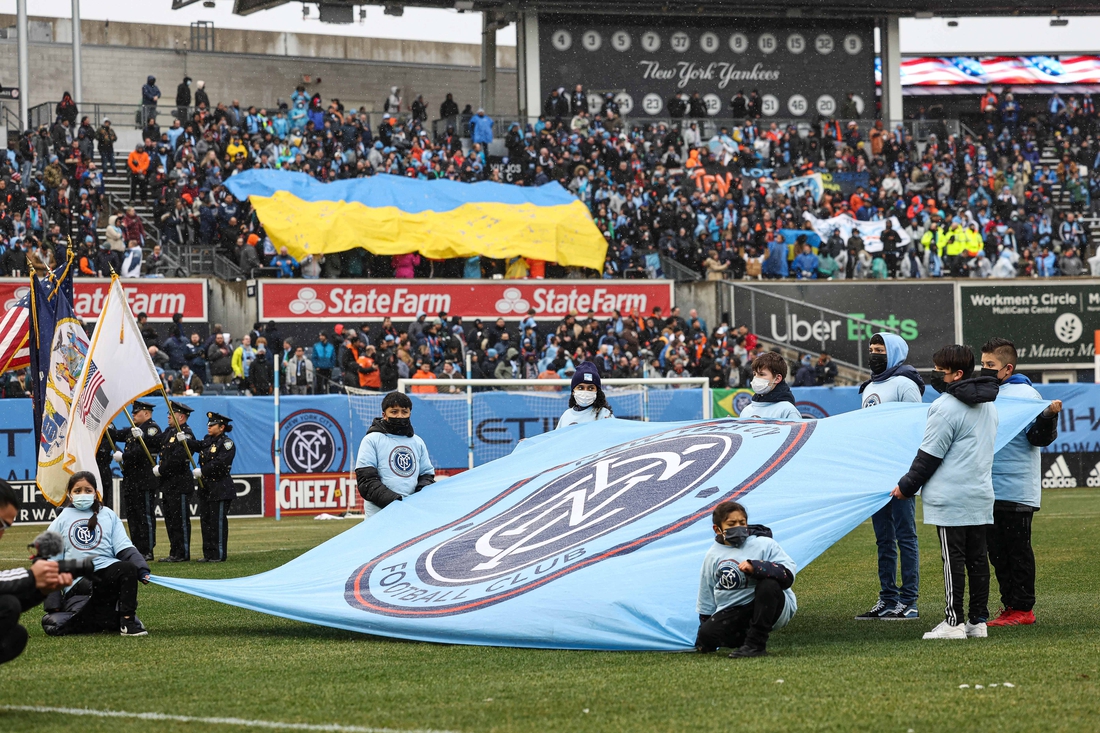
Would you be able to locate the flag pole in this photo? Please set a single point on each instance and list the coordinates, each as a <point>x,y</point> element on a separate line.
<point>133,424</point>
<point>174,419</point>
<point>278,447</point>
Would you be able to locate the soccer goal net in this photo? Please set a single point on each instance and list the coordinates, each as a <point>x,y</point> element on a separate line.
<point>490,416</point>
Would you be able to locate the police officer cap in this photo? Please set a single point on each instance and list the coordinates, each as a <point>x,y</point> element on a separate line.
<point>139,405</point>
<point>181,408</point>
<point>214,418</point>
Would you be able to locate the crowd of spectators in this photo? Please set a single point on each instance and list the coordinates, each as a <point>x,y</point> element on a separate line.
<point>702,194</point>
<point>373,357</point>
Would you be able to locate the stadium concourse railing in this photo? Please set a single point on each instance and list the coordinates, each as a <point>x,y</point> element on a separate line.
<point>540,384</point>
<point>728,305</point>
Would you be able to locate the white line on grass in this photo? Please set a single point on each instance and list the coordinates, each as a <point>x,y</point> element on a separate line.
<point>243,722</point>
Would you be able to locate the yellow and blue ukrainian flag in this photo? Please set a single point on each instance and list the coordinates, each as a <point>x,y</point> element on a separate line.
<point>390,215</point>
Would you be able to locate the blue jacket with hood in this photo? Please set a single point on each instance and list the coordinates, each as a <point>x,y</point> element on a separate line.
<point>1016,467</point>
<point>899,383</point>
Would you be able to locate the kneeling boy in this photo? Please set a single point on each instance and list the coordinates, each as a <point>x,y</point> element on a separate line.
<point>744,587</point>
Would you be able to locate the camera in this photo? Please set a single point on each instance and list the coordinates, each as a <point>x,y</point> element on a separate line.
<point>49,544</point>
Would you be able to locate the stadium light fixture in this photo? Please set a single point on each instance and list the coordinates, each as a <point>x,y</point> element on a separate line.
<point>463,5</point>
<point>1059,22</point>
<point>395,10</point>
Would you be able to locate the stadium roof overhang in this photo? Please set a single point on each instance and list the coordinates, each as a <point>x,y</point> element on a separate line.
<point>833,9</point>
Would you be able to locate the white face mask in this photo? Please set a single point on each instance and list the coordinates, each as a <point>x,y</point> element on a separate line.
<point>761,385</point>
<point>83,501</point>
<point>584,398</point>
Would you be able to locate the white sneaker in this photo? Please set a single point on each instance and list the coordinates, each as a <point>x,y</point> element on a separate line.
<point>947,631</point>
<point>976,631</point>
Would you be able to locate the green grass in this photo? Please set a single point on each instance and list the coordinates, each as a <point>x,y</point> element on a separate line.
<point>206,659</point>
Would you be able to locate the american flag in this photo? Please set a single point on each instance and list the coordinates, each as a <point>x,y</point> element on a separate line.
<point>92,385</point>
<point>15,352</point>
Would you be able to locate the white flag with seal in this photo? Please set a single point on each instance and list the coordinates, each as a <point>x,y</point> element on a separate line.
<point>117,371</point>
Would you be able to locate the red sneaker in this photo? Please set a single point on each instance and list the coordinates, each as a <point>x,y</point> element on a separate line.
<point>1023,618</point>
<point>1004,618</point>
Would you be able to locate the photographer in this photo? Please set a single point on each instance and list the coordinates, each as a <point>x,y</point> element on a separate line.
<point>107,601</point>
<point>21,588</point>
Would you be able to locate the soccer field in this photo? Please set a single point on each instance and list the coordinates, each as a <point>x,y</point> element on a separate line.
<point>826,672</point>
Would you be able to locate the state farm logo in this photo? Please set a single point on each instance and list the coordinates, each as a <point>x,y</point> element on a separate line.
<point>19,294</point>
<point>307,302</point>
<point>571,516</point>
<point>512,302</point>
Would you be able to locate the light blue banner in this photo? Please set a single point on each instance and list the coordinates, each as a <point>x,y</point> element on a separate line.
<point>441,421</point>
<point>592,537</point>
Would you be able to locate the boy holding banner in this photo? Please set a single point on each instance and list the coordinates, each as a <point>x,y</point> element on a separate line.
<point>954,467</point>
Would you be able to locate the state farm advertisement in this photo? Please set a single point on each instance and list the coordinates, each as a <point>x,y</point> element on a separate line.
<point>159,298</point>
<point>373,300</point>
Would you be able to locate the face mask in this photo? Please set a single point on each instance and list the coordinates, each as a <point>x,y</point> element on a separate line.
<point>937,382</point>
<point>583,397</point>
<point>877,362</point>
<point>398,424</point>
<point>761,385</point>
<point>83,501</point>
<point>991,373</point>
<point>736,536</point>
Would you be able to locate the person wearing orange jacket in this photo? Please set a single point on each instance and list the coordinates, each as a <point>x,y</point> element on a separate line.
<point>138,163</point>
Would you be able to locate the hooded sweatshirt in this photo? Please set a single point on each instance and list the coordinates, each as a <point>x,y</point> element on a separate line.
<point>899,383</point>
<point>722,584</point>
<point>1016,467</point>
<point>960,433</point>
<point>776,404</point>
<point>400,459</point>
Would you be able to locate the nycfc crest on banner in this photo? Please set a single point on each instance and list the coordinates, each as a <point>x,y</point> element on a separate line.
<point>571,517</point>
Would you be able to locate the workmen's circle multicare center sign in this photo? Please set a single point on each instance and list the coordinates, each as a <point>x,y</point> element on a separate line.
<point>567,518</point>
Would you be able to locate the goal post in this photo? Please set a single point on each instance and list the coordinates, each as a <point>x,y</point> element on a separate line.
<point>468,405</point>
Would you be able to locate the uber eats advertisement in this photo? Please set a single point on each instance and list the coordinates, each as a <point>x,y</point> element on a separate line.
<point>1051,323</point>
<point>922,313</point>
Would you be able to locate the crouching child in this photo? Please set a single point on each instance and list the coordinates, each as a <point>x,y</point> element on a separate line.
<point>744,586</point>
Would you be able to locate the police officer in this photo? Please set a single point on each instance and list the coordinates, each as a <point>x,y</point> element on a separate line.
<point>177,483</point>
<point>104,455</point>
<point>216,493</point>
<point>139,485</point>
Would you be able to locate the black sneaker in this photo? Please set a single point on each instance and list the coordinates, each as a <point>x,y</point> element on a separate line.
<point>901,612</point>
<point>171,559</point>
<point>132,627</point>
<point>876,613</point>
<point>748,650</point>
<point>148,557</point>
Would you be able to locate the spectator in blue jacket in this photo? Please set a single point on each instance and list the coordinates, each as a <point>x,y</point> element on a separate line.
<point>775,264</point>
<point>805,265</point>
<point>481,128</point>
<point>324,359</point>
<point>286,264</point>
<point>1045,263</point>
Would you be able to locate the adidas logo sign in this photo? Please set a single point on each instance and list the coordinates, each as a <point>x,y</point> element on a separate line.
<point>1094,476</point>
<point>1058,475</point>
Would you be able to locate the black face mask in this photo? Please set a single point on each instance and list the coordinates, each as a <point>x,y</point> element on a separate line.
<point>399,425</point>
<point>877,362</point>
<point>991,373</point>
<point>736,536</point>
<point>937,382</point>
